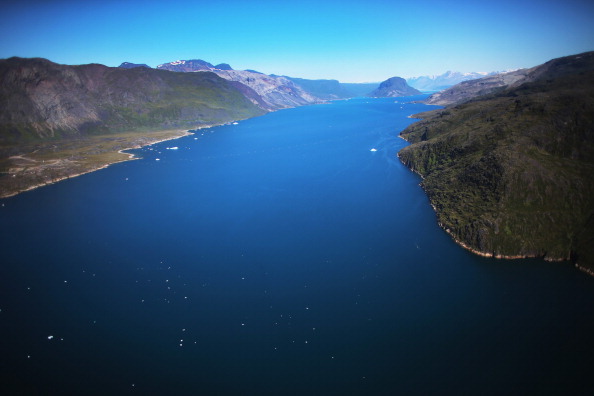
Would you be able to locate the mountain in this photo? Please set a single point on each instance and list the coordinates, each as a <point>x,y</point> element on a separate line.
<point>128,65</point>
<point>511,173</point>
<point>394,87</point>
<point>442,81</point>
<point>40,99</point>
<point>186,66</point>
<point>467,90</point>
<point>323,89</point>
<point>359,89</point>
<point>223,66</point>
<point>275,92</point>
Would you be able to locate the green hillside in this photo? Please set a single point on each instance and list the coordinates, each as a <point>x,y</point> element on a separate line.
<point>512,174</point>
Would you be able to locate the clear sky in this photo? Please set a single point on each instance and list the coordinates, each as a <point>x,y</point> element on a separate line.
<point>348,40</point>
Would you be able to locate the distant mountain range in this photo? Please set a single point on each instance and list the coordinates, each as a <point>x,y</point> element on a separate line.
<point>281,93</point>
<point>443,81</point>
<point>275,92</point>
<point>482,86</point>
<point>509,164</point>
<point>128,65</point>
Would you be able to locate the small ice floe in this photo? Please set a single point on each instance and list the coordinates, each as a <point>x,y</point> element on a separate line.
<point>172,148</point>
<point>373,149</point>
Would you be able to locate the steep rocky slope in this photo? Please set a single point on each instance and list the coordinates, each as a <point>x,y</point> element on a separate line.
<point>394,87</point>
<point>511,174</point>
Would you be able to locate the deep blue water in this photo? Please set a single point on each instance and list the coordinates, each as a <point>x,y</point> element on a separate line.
<point>279,256</point>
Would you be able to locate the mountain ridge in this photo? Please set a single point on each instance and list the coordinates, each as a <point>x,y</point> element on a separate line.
<point>444,80</point>
<point>276,92</point>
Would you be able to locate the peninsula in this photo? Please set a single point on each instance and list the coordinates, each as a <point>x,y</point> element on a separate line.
<point>510,173</point>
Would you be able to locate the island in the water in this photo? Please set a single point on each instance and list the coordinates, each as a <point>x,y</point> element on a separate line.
<point>508,165</point>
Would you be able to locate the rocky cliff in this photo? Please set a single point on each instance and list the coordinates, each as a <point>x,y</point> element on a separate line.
<point>511,174</point>
<point>394,87</point>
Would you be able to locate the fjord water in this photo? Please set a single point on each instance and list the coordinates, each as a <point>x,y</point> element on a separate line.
<point>277,256</point>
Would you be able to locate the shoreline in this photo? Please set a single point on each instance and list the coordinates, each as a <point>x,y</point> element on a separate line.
<point>130,157</point>
<point>491,254</point>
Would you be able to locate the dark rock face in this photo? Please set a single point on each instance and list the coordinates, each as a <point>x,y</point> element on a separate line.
<point>40,99</point>
<point>511,174</point>
<point>394,87</point>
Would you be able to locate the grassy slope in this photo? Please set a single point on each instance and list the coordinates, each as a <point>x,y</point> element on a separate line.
<point>513,174</point>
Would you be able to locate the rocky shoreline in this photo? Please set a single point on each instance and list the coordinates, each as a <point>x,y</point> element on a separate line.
<point>489,254</point>
<point>51,171</point>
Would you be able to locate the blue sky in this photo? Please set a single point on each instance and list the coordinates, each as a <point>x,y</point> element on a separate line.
<point>352,41</point>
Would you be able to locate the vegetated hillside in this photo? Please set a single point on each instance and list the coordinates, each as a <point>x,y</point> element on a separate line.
<point>394,87</point>
<point>512,174</point>
<point>40,99</point>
